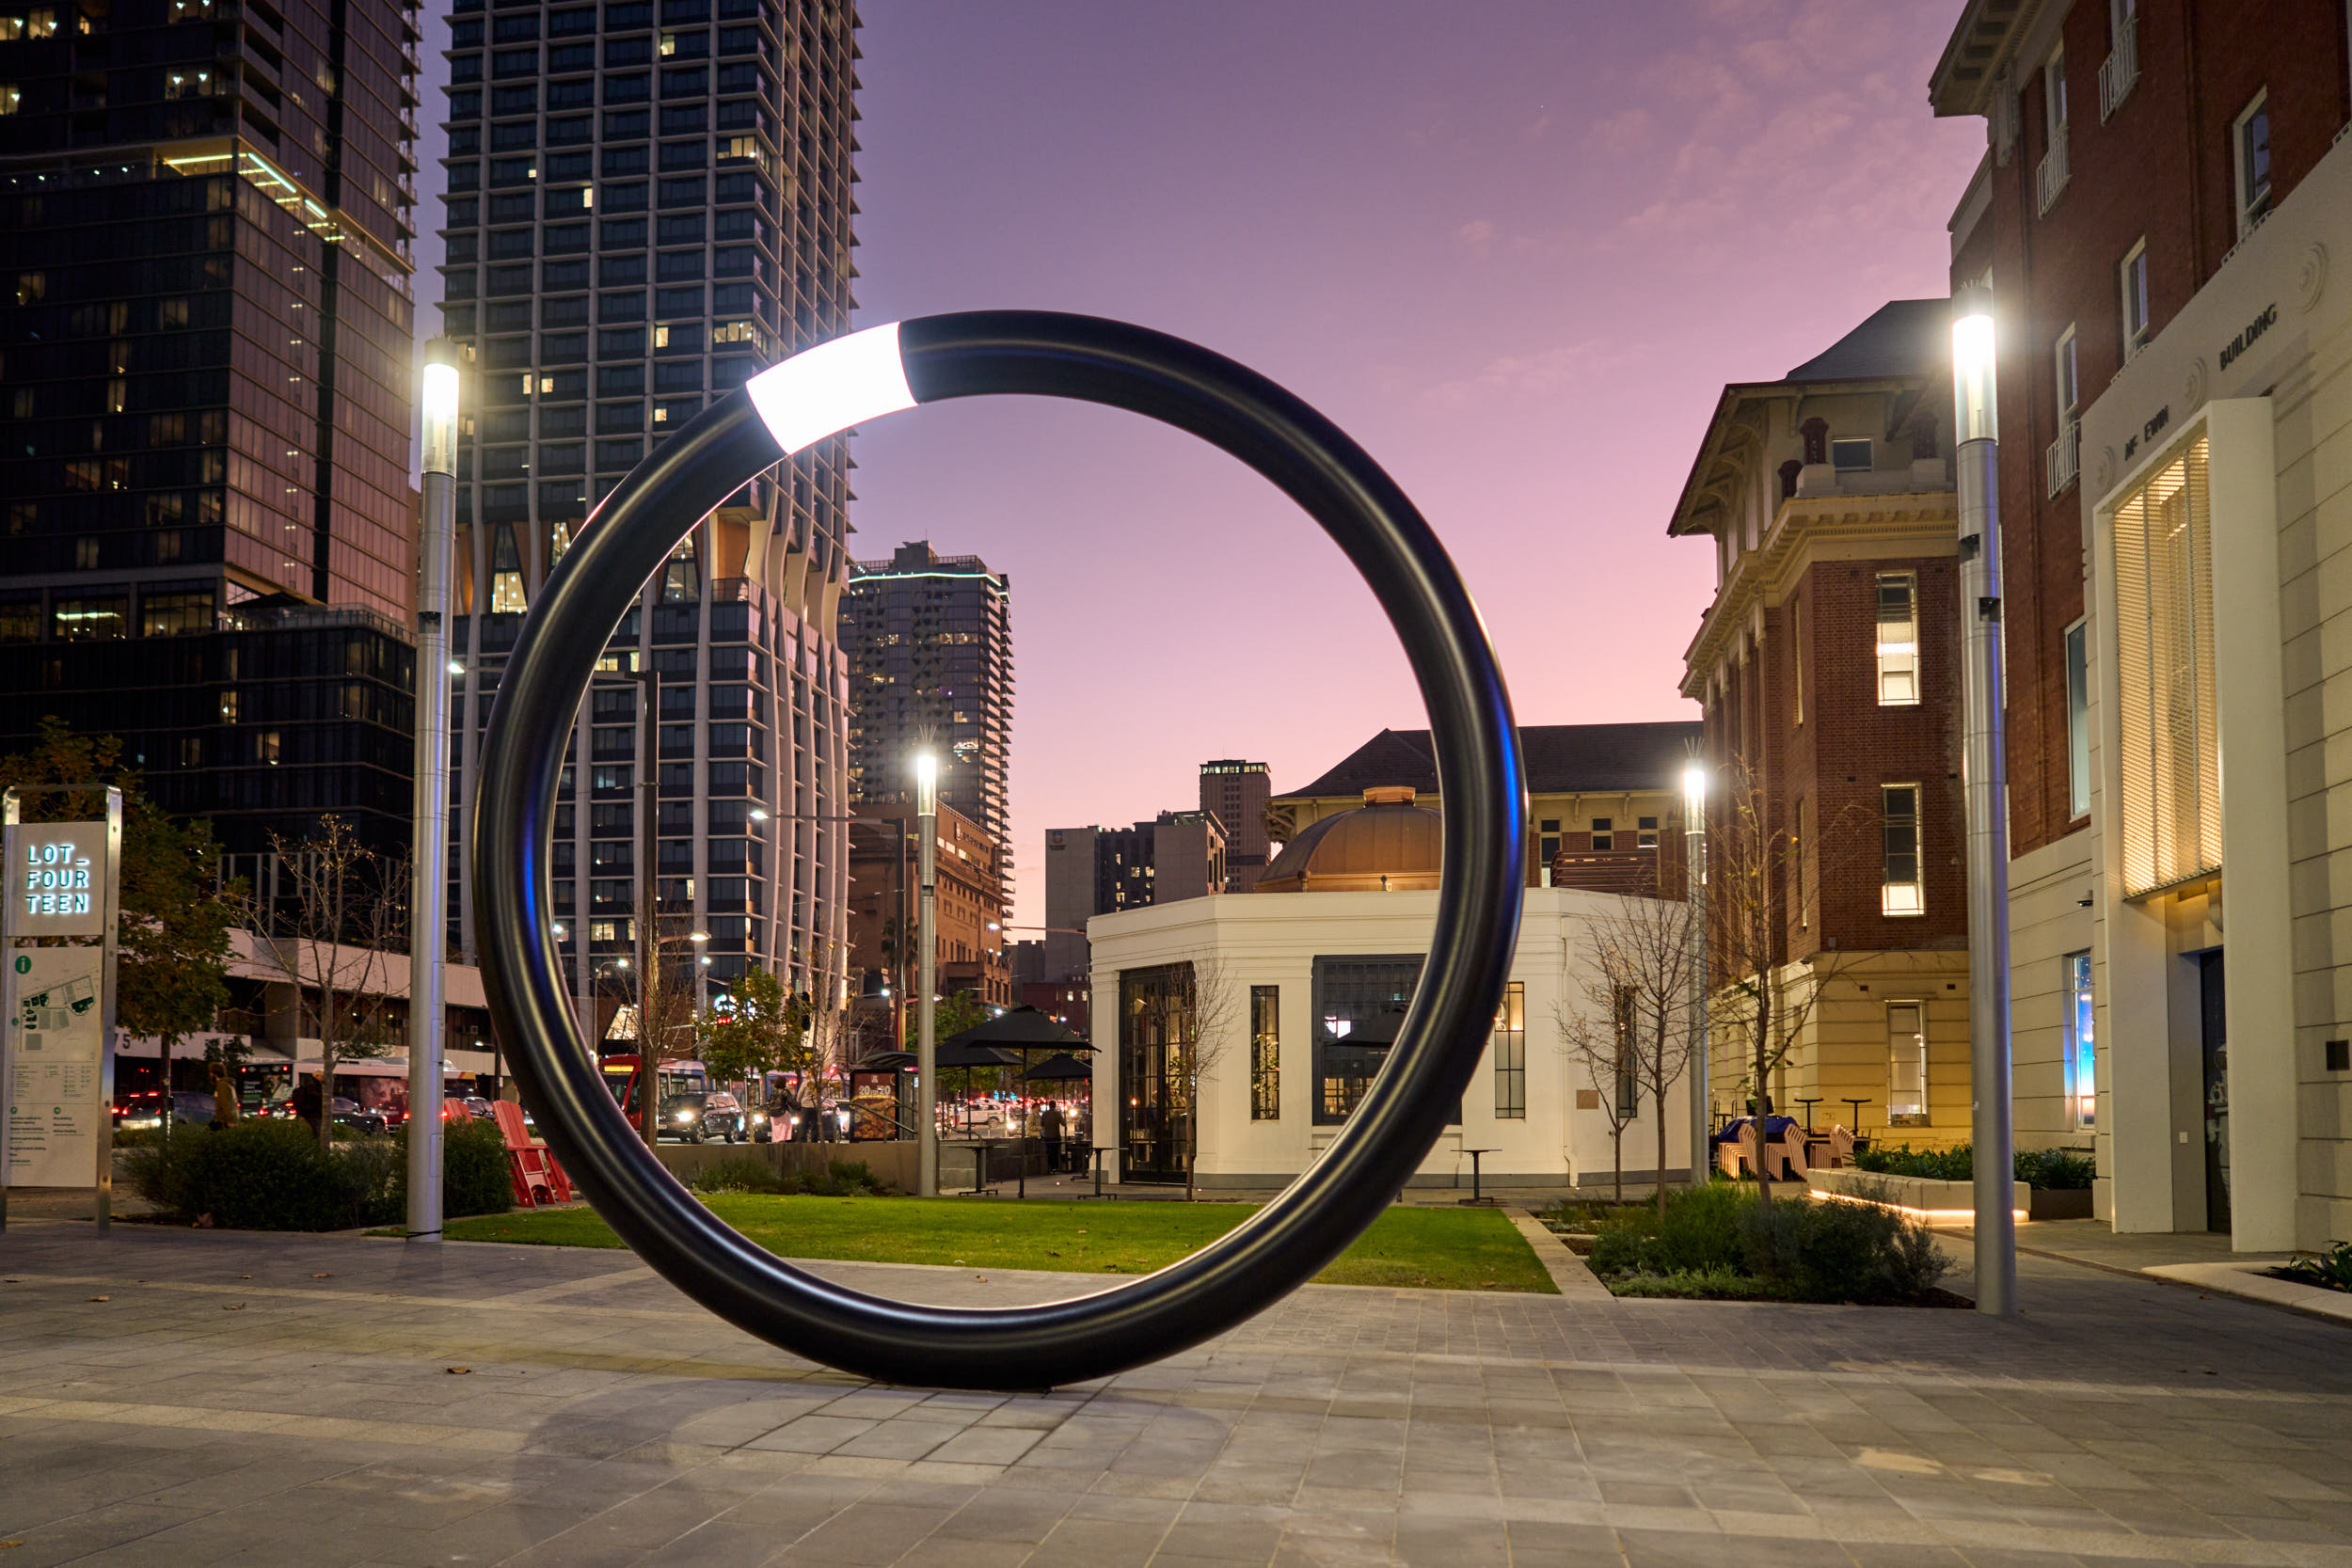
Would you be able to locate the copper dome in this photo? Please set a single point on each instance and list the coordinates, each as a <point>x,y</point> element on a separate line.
<point>1387,845</point>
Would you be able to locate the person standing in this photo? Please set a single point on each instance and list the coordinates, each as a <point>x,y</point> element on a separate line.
<point>1049,1126</point>
<point>224,1097</point>
<point>309,1100</point>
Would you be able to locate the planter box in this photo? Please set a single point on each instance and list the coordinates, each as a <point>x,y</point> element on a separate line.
<point>1942,1200</point>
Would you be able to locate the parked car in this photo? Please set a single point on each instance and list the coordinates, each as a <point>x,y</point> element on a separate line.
<point>359,1117</point>
<point>477,1107</point>
<point>700,1117</point>
<point>144,1108</point>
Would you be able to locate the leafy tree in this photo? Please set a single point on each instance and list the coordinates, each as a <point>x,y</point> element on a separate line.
<point>171,975</point>
<point>764,1028</point>
<point>951,1015</point>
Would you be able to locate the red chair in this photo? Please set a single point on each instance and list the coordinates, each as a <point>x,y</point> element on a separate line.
<point>537,1178</point>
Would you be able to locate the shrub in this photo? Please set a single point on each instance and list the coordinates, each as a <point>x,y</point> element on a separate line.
<point>743,1173</point>
<point>273,1175</point>
<point>2052,1169</point>
<point>1796,1248</point>
<point>255,1176</point>
<point>2331,1270</point>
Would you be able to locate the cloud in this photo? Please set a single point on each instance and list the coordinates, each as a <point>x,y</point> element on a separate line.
<point>1519,377</point>
<point>1477,237</point>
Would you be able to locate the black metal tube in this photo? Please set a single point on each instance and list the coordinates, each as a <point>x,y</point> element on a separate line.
<point>1438,1047</point>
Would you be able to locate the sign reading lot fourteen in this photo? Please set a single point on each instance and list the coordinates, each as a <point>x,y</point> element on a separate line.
<point>57,879</point>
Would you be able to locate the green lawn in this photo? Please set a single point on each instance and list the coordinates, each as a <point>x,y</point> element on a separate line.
<point>1455,1249</point>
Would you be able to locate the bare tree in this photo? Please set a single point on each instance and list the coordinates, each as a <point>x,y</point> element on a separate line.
<point>1767,979</point>
<point>1210,999</point>
<point>346,911</point>
<point>1635,1022</point>
<point>664,1019</point>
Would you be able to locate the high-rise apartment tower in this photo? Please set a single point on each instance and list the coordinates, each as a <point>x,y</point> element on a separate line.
<point>929,638</point>
<point>1237,792</point>
<point>649,202</point>
<point>205,227</point>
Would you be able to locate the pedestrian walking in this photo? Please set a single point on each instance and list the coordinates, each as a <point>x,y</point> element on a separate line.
<point>1049,1126</point>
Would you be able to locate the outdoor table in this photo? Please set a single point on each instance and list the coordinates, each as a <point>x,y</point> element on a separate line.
<point>1476,1196</point>
<point>981,1151</point>
<point>1857,1105</point>
<point>1808,1105</point>
<point>1098,1151</point>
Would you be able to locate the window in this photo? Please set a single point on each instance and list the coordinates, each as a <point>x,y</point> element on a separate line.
<point>1266,1053</point>
<point>2063,366</point>
<point>2132,276</point>
<point>1796,657</point>
<point>2082,1058</point>
<point>2250,144</point>
<point>187,84</point>
<point>2167,752</point>
<point>1899,639</point>
<point>1626,1089</point>
<point>1646,832</point>
<point>1899,892</point>
<point>173,614</point>
<point>1850,454</point>
<point>2054,97</point>
<point>1510,1055</point>
<point>1906,1064</point>
<point>1358,1003</point>
<point>2077,721</point>
<point>1602,836</point>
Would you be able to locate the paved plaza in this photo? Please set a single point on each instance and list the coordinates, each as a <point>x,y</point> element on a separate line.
<point>193,1397</point>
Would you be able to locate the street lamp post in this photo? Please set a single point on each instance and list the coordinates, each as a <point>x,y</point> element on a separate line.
<point>926,963</point>
<point>1985,786</point>
<point>1695,873</point>
<point>428,888</point>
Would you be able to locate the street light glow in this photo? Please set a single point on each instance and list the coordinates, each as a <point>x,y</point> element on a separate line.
<point>698,936</point>
<point>759,814</point>
<point>1695,788</point>
<point>456,666</point>
<point>439,402</point>
<point>1973,352</point>
<point>926,784</point>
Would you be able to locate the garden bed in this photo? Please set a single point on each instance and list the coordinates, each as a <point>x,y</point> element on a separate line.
<point>1722,1242</point>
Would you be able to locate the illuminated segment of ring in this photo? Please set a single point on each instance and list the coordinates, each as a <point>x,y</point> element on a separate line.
<point>817,394</point>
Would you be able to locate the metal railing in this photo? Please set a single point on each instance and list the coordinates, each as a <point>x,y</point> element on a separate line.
<point>2050,178</point>
<point>2063,462</point>
<point>2120,69</point>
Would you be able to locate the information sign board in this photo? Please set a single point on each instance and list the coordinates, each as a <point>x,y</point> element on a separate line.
<point>56,879</point>
<point>56,1104</point>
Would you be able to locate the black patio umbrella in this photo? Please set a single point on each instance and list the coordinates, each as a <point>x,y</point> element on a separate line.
<point>1061,1067</point>
<point>960,1051</point>
<point>1021,1028</point>
<point>885,1061</point>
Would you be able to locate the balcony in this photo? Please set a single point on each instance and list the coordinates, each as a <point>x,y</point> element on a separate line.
<point>2050,176</point>
<point>2063,460</point>
<point>2119,69</point>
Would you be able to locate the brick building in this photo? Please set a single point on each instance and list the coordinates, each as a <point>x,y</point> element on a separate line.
<point>970,916</point>
<point>1237,792</point>
<point>2164,186</point>
<point>1828,667</point>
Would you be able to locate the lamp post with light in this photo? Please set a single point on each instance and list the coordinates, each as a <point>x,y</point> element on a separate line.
<point>428,886</point>
<point>1695,872</point>
<point>926,964</point>
<point>1985,786</point>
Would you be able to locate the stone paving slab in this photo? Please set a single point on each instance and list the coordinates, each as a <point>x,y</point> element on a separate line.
<point>265,1399</point>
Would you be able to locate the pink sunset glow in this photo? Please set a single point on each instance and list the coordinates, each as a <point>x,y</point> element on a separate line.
<point>1515,249</point>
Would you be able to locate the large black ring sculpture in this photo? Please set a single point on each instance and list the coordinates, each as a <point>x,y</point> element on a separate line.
<point>817,394</point>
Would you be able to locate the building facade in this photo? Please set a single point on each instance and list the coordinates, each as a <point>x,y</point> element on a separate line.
<point>644,210</point>
<point>1095,870</point>
<point>1828,665</point>
<point>969,922</point>
<point>2164,188</point>
<point>206,217</point>
<point>1604,801</point>
<point>929,642</point>
<point>1237,792</point>
<point>1290,1001</point>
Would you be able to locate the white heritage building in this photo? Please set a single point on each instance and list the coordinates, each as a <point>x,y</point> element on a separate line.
<point>1312,988</point>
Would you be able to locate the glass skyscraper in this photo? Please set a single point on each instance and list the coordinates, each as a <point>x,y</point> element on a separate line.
<point>206,328</point>
<point>648,202</point>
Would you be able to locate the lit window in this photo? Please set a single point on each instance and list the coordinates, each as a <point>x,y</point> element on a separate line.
<point>1266,1053</point>
<point>12,97</point>
<point>2132,276</point>
<point>188,84</point>
<point>1906,1065</point>
<point>1850,454</point>
<point>1899,892</point>
<point>1899,639</point>
<point>2249,141</point>
<point>2077,721</point>
<point>1510,1055</point>
<point>2082,1058</point>
<point>2168,749</point>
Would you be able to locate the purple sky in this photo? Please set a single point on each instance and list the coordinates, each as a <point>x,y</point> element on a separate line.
<point>1513,248</point>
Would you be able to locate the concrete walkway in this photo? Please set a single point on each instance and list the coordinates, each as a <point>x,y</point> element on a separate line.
<point>195,1397</point>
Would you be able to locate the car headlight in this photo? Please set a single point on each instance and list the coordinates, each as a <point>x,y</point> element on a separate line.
<point>685,1116</point>
<point>759,1116</point>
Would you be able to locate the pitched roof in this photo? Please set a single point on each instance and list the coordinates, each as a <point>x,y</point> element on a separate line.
<point>1901,338</point>
<point>1561,759</point>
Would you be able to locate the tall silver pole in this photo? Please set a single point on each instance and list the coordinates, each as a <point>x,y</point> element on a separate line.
<point>1984,780</point>
<point>8,1018</point>
<point>428,860</point>
<point>110,961</point>
<point>927,962</point>
<point>1695,872</point>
